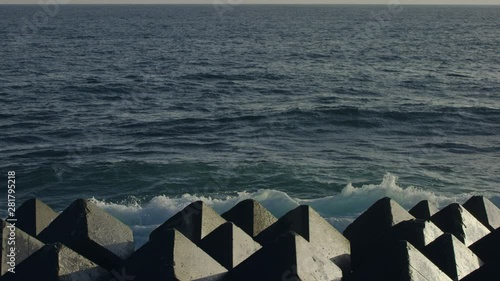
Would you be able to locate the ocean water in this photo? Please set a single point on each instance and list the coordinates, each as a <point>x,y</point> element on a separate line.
<point>147,108</point>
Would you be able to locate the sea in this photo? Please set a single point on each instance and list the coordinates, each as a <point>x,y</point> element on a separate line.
<point>146,108</point>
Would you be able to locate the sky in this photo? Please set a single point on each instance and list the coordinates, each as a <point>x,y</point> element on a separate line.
<point>383,2</point>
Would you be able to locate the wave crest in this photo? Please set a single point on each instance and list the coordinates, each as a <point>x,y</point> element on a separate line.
<point>339,209</point>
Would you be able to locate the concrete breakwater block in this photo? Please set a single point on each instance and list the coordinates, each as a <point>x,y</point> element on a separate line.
<point>452,256</point>
<point>172,257</point>
<point>419,233</point>
<point>91,232</point>
<point>484,211</point>
<point>488,247</point>
<point>423,210</point>
<point>289,257</point>
<point>33,216</point>
<point>25,245</point>
<point>399,262</point>
<point>56,262</point>
<point>369,226</point>
<point>195,221</point>
<point>456,220</point>
<point>250,216</point>
<point>306,222</point>
<point>229,245</point>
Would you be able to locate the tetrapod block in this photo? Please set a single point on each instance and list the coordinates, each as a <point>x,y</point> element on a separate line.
<point>452,256</point>
<point>195,221</point>
<point>250,216</point>
<point>229,245</point>
<point>172,257</point>
<point>484,211</point>
<point>306,222</point>
<point>289,257</point>
<point>91,232</point>
<point>456,220</point>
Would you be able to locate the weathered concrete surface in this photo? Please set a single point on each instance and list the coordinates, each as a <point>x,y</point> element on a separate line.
<point>306,222</point>
<point>452,256</point>
<point>456,220</point>
<point>399,262</point>
<point>379,218</point>
<point>488,247</point>
<point>229,245</point>
<point>370,225</point>
<point>56,262</point>
<point>25,245</point>
<point>195,221</point>
<point>484,211</point>
<point>423,210</point>
<point>91,232</point>
<point>172,257</point>
<point>250,216</point>
<point>417,232</point>
<point>289,257</point>
<point>487,272</point>
<point>33,216</point>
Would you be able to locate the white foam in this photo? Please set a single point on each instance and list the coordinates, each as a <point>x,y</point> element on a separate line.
<point>339,209</point>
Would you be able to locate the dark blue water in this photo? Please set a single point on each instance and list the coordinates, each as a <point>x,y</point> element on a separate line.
<point>138,106</point>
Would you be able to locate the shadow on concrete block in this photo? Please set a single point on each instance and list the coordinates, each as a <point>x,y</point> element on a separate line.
<point>456,220</point>
<point>25,246</point>
<point>399,262</point>
<point>306,222</point>
<point>229,245</point>
<point>33,216</point>
<point>484,211</point>
<point>488,247</point>
<point>56,262</point>
<point>250,216</point>
<point>417,232</point>
<point>424,210</point>
<point>452,256</point>
<point>195,221</point>
<point>91,232</point>
<point>172,257</point>
<point>369,226</point>
<point>289,257</point>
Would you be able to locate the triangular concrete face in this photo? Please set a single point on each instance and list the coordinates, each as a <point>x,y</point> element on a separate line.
<point>452,256</point>
<point>195,221</point>
<point>417,232</point>
<point>370,225</point>
<point>399,262</point>
<point>380,217</point>
<point>488,247</point>
<point>91,232</point>
<point>484,211</point>
<point>289,257</point>
<point>33,216</point>
<point>458,221</point>
<point>250,216</point>
<point>310,225</point>
<point>56,262</point>
<point>25,246</point>
<point>229,245</point>
<point>172,257</point>
<point>424,210</point>
<point>487,272</point>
